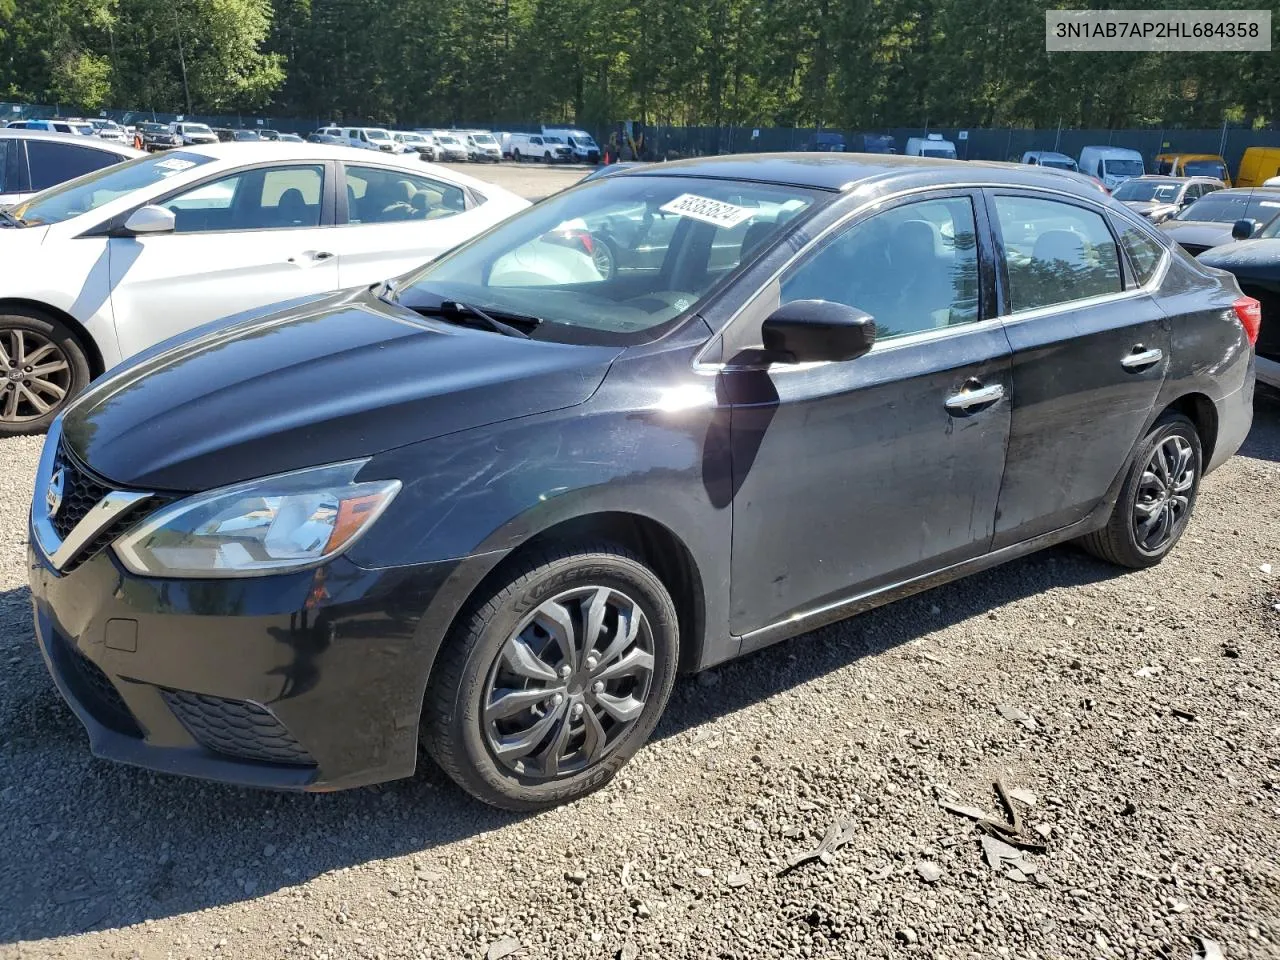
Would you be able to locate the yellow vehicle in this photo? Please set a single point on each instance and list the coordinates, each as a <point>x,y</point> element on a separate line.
<point>1258,164</point>
<point>1193,165</point>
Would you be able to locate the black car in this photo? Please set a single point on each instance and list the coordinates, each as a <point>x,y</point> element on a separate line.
<point>157,136</point>
<point>1256,266</point>
<point>1211,220</point>
<point>497,504</point>
<point>328,138</point>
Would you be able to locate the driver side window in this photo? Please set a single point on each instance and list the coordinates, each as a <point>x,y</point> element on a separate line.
<point>913,267</point>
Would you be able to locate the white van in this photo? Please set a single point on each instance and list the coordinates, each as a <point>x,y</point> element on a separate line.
<point>584,147</point>
<point>1112,165</point>
<point>374,137</point>
<point>535,146</point>
<point>931,146</point>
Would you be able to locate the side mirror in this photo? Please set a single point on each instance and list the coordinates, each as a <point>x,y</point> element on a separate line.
<point>807,331</point>
<point>1242,230</point>
<point>150,219</point>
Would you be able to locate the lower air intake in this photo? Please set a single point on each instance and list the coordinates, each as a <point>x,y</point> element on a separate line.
<point>236,728</point>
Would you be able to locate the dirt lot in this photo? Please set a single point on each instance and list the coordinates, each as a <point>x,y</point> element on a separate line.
<point>532,180</point>
<point>1148,734</point>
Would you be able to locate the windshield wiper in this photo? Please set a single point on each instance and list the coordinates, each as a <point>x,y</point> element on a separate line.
<point>458,312</point>
<point>12,219</point>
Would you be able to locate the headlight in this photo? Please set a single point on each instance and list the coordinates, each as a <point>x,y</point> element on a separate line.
<point>273,525</point>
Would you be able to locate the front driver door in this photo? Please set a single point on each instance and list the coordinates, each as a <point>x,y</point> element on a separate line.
<point>857,475</point>
<point>241,241</point>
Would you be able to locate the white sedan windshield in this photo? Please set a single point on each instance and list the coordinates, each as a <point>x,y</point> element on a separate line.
<point>75,197</point>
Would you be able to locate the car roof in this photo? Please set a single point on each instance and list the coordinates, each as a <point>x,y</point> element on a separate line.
<point>1247,191</point>
<point>846,171</point>
<point>94,143</point>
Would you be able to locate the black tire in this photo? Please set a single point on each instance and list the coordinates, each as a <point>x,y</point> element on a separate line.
<point>515,156</point>
<point>32,327</point>
<point>454,731</point>
<point>1121,541</point>
<point>546,157</point>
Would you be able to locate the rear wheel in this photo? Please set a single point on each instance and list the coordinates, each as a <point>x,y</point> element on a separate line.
<point>552,682</point>
<point>1157,497</point>
<point>515,156</point>
<point>546,157</point>
<point>42,366</point>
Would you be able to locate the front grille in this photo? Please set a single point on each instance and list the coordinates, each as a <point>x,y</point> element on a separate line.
<point>80,492</point>
<point>236,728</point>
<point>96,693</point>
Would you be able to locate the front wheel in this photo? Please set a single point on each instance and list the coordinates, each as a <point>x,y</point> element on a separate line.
<point>515,156</point>
<point>1157,497</point>
<point>42,366</point>
<point>555,679</point>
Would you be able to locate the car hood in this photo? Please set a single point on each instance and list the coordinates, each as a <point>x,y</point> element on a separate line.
<point>334,379</point>
<point>1145,207</point>
<point>1201,233</point>
<point>1257,258</point>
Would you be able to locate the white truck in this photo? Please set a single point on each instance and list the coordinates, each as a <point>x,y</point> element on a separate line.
<point>931,145</point>
<point>582,144</point>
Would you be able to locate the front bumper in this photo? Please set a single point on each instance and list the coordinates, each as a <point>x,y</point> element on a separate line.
<point>305,681</point>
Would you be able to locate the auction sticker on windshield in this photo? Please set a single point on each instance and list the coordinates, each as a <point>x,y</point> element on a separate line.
<point>175,165</point>
<point>715,212</point>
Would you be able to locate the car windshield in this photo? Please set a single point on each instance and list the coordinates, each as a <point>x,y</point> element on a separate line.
<point>75,197</point>
<point>1272,229</point>
<point>946,154</point>
<point>378,135</point>
<point>552,140</point>
<point>448,140</point>
<point>85,129</point>
<point>1205,168</point>
<point>247,135</point>
<point>1065,164</point>
<point>616,260</point>
<point>196,128</point>
<point>1141,190</point>
<point>1224,207</point>
<point>484,138</point>
<point>1122,168</point>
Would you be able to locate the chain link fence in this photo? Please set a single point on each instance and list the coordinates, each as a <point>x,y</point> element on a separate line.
<point>670,143</point>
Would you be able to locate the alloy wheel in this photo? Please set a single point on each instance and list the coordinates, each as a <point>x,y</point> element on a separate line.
<point>1164,493</point>
<point>35,375</point>
<point>569,683</point>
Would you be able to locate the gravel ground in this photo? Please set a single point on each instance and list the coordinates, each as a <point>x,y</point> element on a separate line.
<point>531,180</point>
<point>1146,725</point>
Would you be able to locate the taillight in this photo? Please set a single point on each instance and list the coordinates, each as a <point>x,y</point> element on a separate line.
<point>574,238</point>
<point>1249,313</point>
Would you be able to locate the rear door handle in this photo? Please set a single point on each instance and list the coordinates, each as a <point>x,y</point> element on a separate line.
<point>974,395</point>
<point>1141,358</point>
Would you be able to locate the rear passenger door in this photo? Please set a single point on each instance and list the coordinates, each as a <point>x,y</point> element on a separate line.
<point>393,220</point>
<point>1090,351</point>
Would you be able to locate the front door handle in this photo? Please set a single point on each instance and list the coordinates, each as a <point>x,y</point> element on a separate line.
<point>974,395</point>
<point>1141,357</point>
<point>309,258</point>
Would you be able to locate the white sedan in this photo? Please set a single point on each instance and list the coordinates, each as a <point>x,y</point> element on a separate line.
<point>106,265</point>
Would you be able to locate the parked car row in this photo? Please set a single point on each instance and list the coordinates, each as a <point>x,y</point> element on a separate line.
<point>32,160</point>
<point>493,504</point>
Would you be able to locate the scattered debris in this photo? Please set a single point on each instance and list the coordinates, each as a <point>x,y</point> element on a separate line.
<point>1010,861</point>
<point>1182,714</point>
<point>1209,949</point>
<point>626,875</point>
<point>502,948</point>
<point>1129,809</point>
<point>973,813</point>
<point>838,834</point>
<point>577,876</point>
<point>907,936</point>
<point>1230,650</point>
<point>736,880</point>
<point>1265,568</point>
<point>1016,715</point>
<point>929,872</point>
<point>703,871</point>
<point>1024,796</point>
<point>1146,673</point>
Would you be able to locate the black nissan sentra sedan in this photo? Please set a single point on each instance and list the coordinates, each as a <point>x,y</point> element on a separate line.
<point>496,505</point>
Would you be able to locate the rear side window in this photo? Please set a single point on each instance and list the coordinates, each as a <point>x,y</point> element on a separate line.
<point>389,196</point>
<point>54,163</point>
<point>1143,252</point>
<point>1055,252</point>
